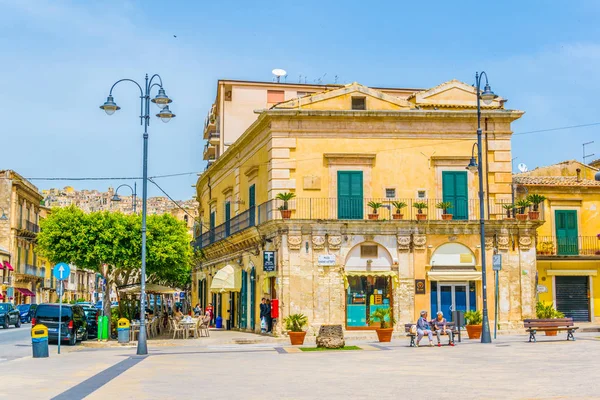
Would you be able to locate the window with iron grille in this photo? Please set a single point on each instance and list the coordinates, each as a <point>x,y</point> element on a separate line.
<point>390,193</point>
<point>359,103</point>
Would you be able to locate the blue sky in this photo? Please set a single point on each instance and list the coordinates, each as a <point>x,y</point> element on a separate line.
<point>59,59</point>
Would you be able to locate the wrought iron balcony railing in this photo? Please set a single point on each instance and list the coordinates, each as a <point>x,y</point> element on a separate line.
<point>568,246</point>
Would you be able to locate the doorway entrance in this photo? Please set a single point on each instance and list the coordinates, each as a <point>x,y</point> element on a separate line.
<point>452,296</point>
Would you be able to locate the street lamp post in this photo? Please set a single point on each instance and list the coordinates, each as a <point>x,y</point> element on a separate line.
<point>133,197</point>
<point>477,167</point>
<point>162,101</point>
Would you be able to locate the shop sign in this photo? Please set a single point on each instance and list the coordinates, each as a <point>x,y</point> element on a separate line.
<point>327,260</point>
<point>419,286</point>
<point>542,289</point>
<point>269,262</point>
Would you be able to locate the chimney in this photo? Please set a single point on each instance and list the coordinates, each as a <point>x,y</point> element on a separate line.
<point>578,170</point>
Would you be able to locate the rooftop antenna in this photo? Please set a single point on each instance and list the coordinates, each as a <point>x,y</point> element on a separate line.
<point>278,72</point>
<point>335,79</point>
<point>586,155</point>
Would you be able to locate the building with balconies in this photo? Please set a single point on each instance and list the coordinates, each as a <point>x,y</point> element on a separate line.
<point>21,202</point>
<point>384,213</point>
<point>568,244</point>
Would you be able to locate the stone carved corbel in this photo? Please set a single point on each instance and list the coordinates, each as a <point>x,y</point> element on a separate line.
<point>334,242</point>
<point>503,242</point>
<point>318,242</point>
<point>525,242</point>
<point>419,242</point>
<point>489,243</point>
<point>403,242</point>
<point>294,242</point>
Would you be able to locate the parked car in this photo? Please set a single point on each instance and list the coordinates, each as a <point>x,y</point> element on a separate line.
<point>9,315</point>
<point>85,304</point>
<point>27,311</point>
<point>72,322</point>
<point>91,314</point>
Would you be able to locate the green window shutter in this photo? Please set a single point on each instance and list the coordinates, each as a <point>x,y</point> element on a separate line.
<point>455,189</point>
<point>350,195</point>
<point>567,235</point>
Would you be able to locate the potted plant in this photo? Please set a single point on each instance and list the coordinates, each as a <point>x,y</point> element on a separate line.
<point>509,209</point>
<point>294,324</point>
<point>287,196</point>
<point>384,316</point>
<point>398,205</point>
<point>375,206</point>
<point>473,324</point>
<point>535,200</point>
<point>420,206</point>
<point>521,205</point>
<point>543,311</point>
<point>444,206</point>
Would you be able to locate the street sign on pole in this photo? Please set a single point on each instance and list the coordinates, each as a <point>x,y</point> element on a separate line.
<point>61,286</point>
<point>61,271</point>
<point>497,262</point>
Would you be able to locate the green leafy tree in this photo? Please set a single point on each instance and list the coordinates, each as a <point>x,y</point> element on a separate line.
<point>110,243</point>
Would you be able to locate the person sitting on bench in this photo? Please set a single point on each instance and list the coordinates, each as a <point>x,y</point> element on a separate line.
<point>440,325</point>
<point>423,328</point>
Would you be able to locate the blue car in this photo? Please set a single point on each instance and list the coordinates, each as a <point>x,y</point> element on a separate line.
<point>27,311</point>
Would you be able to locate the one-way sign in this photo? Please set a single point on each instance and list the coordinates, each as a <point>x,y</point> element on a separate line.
<point>61,271</point>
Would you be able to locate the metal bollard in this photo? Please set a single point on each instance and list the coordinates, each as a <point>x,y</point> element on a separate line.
<point>123,329</point>
<point>39,341</point>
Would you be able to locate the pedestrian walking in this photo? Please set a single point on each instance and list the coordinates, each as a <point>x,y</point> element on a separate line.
<point>263,315</point>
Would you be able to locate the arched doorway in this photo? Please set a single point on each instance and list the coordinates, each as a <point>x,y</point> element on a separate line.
<point>368,280</point>
<point>453,278</point>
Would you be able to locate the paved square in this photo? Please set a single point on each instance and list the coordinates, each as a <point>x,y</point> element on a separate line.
<point>508,368</point>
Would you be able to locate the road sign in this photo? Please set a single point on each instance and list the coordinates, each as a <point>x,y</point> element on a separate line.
<point>269,261</point>
<point>61,271</point>
<point>60,288</point>
<point>497,262</point>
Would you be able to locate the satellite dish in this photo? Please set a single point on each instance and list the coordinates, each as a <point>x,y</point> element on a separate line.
<point>522,167</point>
<point>278,72</point>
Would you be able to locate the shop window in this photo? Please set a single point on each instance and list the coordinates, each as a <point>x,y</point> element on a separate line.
<point>368,251</point>
<point>365,295</point>
<point>359,103</point>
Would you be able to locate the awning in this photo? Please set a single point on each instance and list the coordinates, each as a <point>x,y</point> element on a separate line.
<point>571,272</point>
<point>26,292</point>
<point>226,280</point>
<point>391,274</point>
<point>454,275</point>
<point>7,265</point>
<point>151,288</point>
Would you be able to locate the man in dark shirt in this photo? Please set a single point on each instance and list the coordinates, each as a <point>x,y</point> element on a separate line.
<point>263,315</point>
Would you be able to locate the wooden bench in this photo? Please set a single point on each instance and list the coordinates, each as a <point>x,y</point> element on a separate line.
<point>449,326</point>
<point>558,324</point>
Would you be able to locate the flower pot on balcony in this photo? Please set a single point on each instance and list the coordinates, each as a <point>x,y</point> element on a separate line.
<point>374,216</point>
<point>446,217</point>
<point>509,219</point>
<point>286,214</point>
<point>421,217</point>
<point>534,215</point>
<point>398,216</point>
<point>522,217</point>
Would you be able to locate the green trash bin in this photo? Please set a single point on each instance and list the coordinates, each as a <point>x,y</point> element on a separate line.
<point>103,328</point>
<point>123,329</point>
<point>39,341</point>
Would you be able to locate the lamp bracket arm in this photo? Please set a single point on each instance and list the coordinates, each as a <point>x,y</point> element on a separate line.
<point>152,78</point>
<point>128,80</point>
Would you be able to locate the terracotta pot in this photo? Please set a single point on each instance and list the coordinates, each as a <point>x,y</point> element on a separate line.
<point>534,215</point>
<point>551,333</point>
<point>384,335</point>
<point>398,216</point>
<point>446,217</point>
<point>286,214</point>
<point>474,331</point>
<point>421,217</point>
<point>297,338</point>
<point>374,216</point>
<point>509,219</point>
<point>522,217</point>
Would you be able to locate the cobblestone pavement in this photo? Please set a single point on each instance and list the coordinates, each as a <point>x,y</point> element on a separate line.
<point>508,368</point>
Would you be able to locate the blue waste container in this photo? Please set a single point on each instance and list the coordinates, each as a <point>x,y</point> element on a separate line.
<point>219,322</point>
